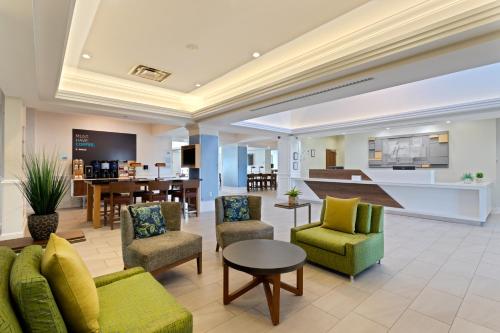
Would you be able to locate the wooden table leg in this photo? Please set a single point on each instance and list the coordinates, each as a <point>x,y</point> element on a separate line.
<point>226,285</point>
<point>227,297</point>
<point>90,194</point>
<point>96,207</point>
<point>273,298</point>
<point>299,289</point>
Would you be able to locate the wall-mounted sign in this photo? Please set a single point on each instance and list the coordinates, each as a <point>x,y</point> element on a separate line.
<point>99,145</point>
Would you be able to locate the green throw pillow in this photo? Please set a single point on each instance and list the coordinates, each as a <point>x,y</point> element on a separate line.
<point>148,221</point>
<point>340,214</point>
<point>236,208</point>
<point>32,295</point>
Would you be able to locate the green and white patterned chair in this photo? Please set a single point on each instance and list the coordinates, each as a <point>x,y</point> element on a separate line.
<point>158,253</point>
<point>232,232</point>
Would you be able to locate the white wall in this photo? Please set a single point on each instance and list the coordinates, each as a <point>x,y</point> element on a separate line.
<point>320,145</point>
<point>473,147</point>
<point>259,159</point>
<point>53,131</point>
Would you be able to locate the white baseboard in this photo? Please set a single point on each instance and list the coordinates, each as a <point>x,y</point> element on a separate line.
<point>11,235</point>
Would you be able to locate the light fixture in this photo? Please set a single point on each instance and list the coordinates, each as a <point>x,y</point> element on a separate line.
<point>448,121</point>
<point>197,84</point>
<point>387,128</point>
<point>86,56</point>
<point>256,54</point>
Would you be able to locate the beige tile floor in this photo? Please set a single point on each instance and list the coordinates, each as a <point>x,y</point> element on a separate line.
<point>435,277</point>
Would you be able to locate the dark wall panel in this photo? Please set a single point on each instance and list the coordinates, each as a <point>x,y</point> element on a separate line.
<point>98,145</point>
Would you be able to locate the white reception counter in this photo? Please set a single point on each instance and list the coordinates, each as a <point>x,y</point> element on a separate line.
<point>415,191</point>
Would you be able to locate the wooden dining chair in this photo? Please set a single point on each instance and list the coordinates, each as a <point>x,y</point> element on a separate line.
<point>157,191</point>
<point>190,194</point>
<point>120,193</point>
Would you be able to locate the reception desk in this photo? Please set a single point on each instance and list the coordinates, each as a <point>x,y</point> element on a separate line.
<point>405,192</point>
<point>95,188</point>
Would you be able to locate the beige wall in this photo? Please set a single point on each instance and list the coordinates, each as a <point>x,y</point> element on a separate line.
<point>472,148</point>
<point>320,145</point>
<point>53,132</point>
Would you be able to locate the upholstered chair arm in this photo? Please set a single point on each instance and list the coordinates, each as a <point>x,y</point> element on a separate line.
<point>171,212</point>
<point>116,276</point>
<point>127,229</point>
<point>254,206</point>
<point>294,231</point>
<point>219,211</point>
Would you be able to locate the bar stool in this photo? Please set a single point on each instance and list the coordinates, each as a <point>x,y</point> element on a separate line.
<point>176,191</point>
<point>120,193</point>
<point>190,189</point>
<point>157,191</point>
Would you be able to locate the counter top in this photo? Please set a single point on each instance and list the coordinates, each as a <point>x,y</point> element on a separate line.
<point>141,179</point>
<point>457,185</point>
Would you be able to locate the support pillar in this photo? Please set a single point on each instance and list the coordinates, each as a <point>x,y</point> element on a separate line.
<point>267,161</point>
<point>208,139</point>
<point>234,164</point>
<point>12,207</point>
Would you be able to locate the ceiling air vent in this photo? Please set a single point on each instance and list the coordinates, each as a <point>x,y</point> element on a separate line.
<point>149,73</point>
<point>340,86</point>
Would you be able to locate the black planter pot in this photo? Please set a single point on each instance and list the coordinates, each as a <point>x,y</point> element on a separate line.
<point>41,226</point>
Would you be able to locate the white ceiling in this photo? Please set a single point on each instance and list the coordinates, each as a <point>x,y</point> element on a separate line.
<point>156,33</point>
<point>472,85</point>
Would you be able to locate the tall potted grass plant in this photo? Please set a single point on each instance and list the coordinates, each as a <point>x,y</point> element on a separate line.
<point>44,185</point>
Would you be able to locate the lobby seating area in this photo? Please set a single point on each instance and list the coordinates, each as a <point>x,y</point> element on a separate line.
<point>250,166</point>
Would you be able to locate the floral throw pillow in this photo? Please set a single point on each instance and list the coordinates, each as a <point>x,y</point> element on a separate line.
<point>236,208</point>
<point>147,221</point>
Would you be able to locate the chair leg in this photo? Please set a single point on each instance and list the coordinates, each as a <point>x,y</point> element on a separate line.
<point>351,278</point>
<point>217,247</point>
<point>199,265</point>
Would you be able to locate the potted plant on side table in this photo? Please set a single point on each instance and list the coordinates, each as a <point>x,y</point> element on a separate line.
<point>293,195</point>
<point>44,185</point>
<point>479,177</point>
<point>467,178</point>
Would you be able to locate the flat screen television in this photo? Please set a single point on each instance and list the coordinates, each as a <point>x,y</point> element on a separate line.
<point>190,156</point>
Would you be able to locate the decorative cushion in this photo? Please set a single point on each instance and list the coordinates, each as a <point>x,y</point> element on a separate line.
<point>329,240</point>
<point>147,220</point>
<point>340,214</point>
<point>236,208</point>
<point>8,319</point>
<point>32,294</point>
<point>364,218</point>
<point>72,285</point>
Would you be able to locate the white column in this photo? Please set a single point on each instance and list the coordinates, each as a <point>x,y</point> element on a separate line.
<point>267,161</point>
<point>12,208</point>
<point>287,146</point>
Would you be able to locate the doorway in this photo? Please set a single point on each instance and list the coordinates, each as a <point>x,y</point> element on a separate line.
<point>331,158</point>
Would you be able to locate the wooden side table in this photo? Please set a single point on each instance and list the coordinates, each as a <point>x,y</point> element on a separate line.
<point>299,204</point>
<point>17,244</point>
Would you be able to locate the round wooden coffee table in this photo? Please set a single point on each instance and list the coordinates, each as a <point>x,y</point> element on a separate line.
<point>266,260</point>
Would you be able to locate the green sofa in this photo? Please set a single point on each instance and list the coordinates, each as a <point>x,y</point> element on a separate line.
<point>347,253</point>
<point>129,301</point>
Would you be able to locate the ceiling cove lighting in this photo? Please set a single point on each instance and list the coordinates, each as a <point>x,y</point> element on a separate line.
<point>448,121</point>
<point>197,85</point>
<point>256,54</point>
<point>387,128</point>
<point>86,56</point>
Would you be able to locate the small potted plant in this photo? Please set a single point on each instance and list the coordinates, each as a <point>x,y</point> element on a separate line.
<point>44,185</point>
<point>467,178</point>
<point>293,195</point>
<point>479,176</point>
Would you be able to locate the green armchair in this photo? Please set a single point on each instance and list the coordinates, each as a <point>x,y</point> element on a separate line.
<point>129,301</point>
<point>347,253</point>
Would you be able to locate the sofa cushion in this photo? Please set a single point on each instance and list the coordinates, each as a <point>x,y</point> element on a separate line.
<point>231,232</point>
<point>32,294</point>
<point>8,320</point>
<point>236,208</point>
<point>156,252</point>
<point>364,218</point>
<point>140,304</point>
<point>72,285</point>
<point>377,224</point>
<point>329,240</point>
<point>148,221</point>
<point>340,214</point>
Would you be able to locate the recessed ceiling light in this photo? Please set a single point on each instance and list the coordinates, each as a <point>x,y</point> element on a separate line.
<point>197,85</point>
<point>387,128</point>
<point>256,54</point>
<point>86,56</point>
<point>448,121</point>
